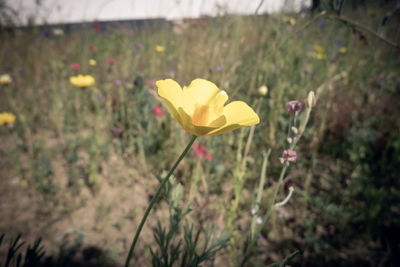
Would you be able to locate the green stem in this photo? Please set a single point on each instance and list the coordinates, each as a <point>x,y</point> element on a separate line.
<point>266,216</point>
<point>259,194</point>
<point>154,199</point>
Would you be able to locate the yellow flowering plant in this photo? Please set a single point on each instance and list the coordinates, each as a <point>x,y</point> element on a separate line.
<point>200,109</point>
<point>289,20</point>
<point>92,62</point>
<point>159,48</point>
<point>82,80</point>
<point>5,79</point>
<point>6,118</point>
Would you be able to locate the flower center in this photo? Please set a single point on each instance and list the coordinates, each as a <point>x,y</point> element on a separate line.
<point>201,115</point>
<point>204,114</point>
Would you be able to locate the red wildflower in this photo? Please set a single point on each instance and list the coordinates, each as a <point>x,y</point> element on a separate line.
<point>93,48</point>
<point>111,61</point>
<point>76,66</point>
<point>158,111</point>
<point>96,26</point>
<point>199,150</point>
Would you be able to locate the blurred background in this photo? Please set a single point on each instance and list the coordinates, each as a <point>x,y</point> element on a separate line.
<point>55,11</point>
<point>80,161</point>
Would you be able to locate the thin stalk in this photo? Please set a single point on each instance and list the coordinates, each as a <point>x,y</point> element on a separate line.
<point>154,199</point>
<point>266,216</point>
<point>260,191</point>
<point>354,24</point>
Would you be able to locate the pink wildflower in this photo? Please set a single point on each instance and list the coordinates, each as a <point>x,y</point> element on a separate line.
<point>288,155</point>
<point>200,152</point>
<point>111,61</point>
<point>76,66</point>
<point>158,111</point>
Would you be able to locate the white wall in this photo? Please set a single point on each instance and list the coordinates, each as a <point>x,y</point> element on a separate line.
<point>67,11</point>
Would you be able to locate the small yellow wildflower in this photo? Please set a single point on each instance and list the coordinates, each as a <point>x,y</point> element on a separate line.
<point>343,50</point>
<point>320,56</point>
<point>5,79</point>
<point>200,109</point>
<point>289,20</point>
<point>159,48</point>
<point>319,49</point>
<point>92,62</point>
<point>6,117</point>
<point>82,80</point>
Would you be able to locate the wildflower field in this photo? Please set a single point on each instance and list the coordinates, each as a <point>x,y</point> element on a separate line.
<point>292,122</point>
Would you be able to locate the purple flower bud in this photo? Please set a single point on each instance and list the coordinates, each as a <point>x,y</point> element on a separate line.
<point>220,68</point>
<point>294,107</point>
<point>139,46</point>
<point>288,155</point>
<point>321,25</point>
<point>138,81</point>
<point>46,34</point>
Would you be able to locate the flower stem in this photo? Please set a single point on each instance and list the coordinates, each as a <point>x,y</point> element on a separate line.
<point>266,216</point>
<point>259,194</point>
<point>154,199</point>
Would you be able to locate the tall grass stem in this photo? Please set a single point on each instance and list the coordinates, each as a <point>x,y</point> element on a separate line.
<point>154,199</point>
<point>260,191</point>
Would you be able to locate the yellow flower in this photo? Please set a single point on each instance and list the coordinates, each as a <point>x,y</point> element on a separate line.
<point>92,62</point>
<point>289,20</point>
<point>200,109</point>
<point>159,48</point>
<point>320,56</point>
<point>82,80</point>
<point>319,49</point>
<point>6,117</point>
<point>5,79</point>
<point>343,50</point>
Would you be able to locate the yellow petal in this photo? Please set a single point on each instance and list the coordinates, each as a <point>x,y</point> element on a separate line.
<point>171,92</point>
<point>237,114</point>
<point>198,130</point>
<point>200,92</point>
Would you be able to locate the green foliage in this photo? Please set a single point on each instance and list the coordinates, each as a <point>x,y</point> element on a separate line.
<point>31,257</point>
<point>195,247</point>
